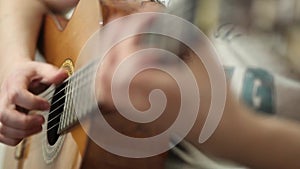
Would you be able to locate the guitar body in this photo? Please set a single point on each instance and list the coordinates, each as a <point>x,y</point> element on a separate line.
<point>62,43</point>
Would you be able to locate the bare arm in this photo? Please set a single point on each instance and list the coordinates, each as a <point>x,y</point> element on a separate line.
<point>19,28</point>
<point>255,140</point>
<point>245,136</point>
<point>20,23</point>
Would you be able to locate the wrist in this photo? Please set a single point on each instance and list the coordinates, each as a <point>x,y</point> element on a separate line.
<point>9,65</point>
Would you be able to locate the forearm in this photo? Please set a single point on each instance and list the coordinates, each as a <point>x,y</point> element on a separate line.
<point>256,141</point>
<point>274,143</point>
<point>277,144</point>
<point>19,27</point>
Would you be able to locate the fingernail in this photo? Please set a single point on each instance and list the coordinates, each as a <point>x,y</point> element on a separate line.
<point>64,71</point>
<point>41,119</point>
<point>45,106</point>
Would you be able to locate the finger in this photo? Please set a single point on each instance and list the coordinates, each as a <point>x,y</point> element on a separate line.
<point>17,120</point>
<point>149,6</point>
<point>12,133</point>
<point>56,78</point>
<point>36,87</point>
<point>48,73</point>
<point>29,101</point>
<point>9,141</point>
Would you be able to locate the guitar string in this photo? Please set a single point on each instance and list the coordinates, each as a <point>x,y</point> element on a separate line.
<point>86,82</point>
<point>83,70</point>
<point>55,117</point>
<point>67,85</point>
<point>44,138</point>
<point>52,88</point>
<point>68,93</point>
<point>70,80</point>
<point>80,75</point>
<point>64,96</point>
<point>174,9</point>
<point>96,60</point>
<point>59,115</point>
<point>44,131</point>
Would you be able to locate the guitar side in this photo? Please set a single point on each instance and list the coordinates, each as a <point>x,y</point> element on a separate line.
<point>61,47</point>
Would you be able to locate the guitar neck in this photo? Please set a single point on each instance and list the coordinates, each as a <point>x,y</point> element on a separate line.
<point>73,100</point>
<point>68,105</point>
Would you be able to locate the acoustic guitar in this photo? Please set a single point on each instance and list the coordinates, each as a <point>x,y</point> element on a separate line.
<point>69,147</point>
<point>63,144</point>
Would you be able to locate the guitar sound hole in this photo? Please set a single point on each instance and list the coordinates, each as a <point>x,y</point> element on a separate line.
<point>57,107</point>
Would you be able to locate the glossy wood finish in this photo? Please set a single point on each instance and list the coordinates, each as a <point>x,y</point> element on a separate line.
<point>78,150</point>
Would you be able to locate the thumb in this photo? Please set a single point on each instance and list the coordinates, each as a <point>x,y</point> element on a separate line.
<point>56,78</point>
<point>49,74</point>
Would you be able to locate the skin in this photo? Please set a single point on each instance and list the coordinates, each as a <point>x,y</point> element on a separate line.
<point>242,136</point>
<point>20,25</point>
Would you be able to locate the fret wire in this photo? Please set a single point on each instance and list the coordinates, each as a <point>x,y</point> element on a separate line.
<point>170,10</point>
<point>87,101</point>
<point>84,94</point>
<point>79,95</point>
<point>75,95</point>
<point>64,117</point>
<point>76,83</point>
<point>67,113</point>
<point>72,105</point>
<point>74,92</point>
<point>90,101</point>
<point>74,80</point>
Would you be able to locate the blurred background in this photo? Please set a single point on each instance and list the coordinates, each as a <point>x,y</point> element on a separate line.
<point>278,19</point>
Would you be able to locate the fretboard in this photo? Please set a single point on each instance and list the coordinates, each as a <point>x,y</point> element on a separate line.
<point>78,91</point>
<point>78,96</point>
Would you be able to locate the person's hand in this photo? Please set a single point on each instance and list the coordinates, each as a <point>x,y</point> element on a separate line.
<point>118,92</point>
<point>18,96</point>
